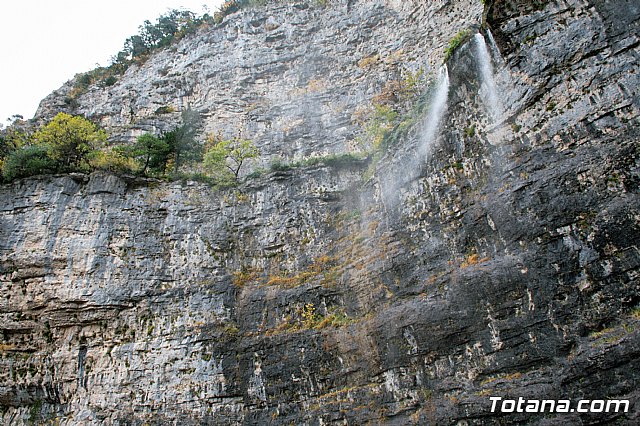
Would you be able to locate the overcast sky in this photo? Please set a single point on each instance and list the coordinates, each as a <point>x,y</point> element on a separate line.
<point>46,42</point>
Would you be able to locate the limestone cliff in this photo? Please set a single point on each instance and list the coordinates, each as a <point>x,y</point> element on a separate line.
<point>493,252</point>
<point>289,76</point>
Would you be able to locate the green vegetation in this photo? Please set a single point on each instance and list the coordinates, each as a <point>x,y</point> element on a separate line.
<point>320,270</point>
<point>456,42</point>
<point>69,140</point>
<point>229,7</point>
<point>381,122</point>
<point>160,155</point>
<point>392,112</point>
<point>306,317</point>
<point>470,131</point>
<point>336,160</point>
<point>225,158</point>
<point>331,160</point>
<point>12,138</point>
<point>65,144</point>
<point>164,110</point>
<point>74,144</point>
<point>368,61</point>
<point>152,36</point>
<point>334,318</point>
<point>167,29</point>
<point>231,330</point>
<point>27,161</point>
<point>35,412</point>
<point>323,270</point>
<point>309,318</point>
<point>244,277</point>
<point>152,152</point>
<point>182,140</point>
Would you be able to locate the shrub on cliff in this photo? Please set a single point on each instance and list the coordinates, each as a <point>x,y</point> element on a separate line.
<point>62,145</point>
<point>114,160</point>
<point>152,153</point>
<point>72,143</point>
<point>69,139</point>
<point>455,42</point>
<point>225,158</point>
<point>168,28</point>
<point>156,155</point>
<point>28,161</point>
<point>182,140</point>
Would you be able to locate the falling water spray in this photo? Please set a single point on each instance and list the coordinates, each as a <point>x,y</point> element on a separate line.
<point>436,112</point>
<point>497,56</point>
<point>408,167</point>
<point>488,92</point>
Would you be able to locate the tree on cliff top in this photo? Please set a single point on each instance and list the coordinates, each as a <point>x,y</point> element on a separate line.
<point>225,158</point>
<point>152,153</point>
<point>69,139</point>
<point>183,140</point>
<point>26,161</point>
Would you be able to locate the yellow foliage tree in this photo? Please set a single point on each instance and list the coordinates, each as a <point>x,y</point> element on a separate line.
<point>224,158</point>
<point>69,139</point>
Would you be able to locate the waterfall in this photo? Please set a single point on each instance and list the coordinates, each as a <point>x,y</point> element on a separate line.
<point>488,91</point>
<point>406,166</point>
<point>497,56</point>
<point>436,111</point>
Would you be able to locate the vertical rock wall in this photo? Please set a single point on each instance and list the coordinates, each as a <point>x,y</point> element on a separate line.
<point>503,261</point>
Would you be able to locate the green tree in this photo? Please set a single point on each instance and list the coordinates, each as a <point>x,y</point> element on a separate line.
<point>69,139</point>
<point>136,46</point>
<point>152,152</point>
<point>225,158</point>
<point>182,139</point>
<point>11,140</point>
<point>14,137</point>
<point>28,161</point>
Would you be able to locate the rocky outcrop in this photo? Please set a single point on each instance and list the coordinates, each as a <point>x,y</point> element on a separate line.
<point>499,258</point>
<point>290,76</point>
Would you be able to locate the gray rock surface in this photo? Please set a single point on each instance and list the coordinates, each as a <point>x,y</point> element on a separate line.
<point>503,262</point>
<point>289,76</point>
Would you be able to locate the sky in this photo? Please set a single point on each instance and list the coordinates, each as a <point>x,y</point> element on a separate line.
<point>45,42</point>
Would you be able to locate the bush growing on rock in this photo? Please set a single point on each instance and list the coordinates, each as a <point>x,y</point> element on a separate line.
<point>152,153</point>
<point>225,158</point>
<point>115,160</point>
<point>182,140</point>
<point>168,28</point>
<point>72,143</point>
<point>69,140</point>
<point>455,42</point>
<point>67,143</point>
<point>28,161</point>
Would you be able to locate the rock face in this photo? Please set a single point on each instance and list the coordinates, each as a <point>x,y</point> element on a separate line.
<point>497,257</point>
<point>290,77</point>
